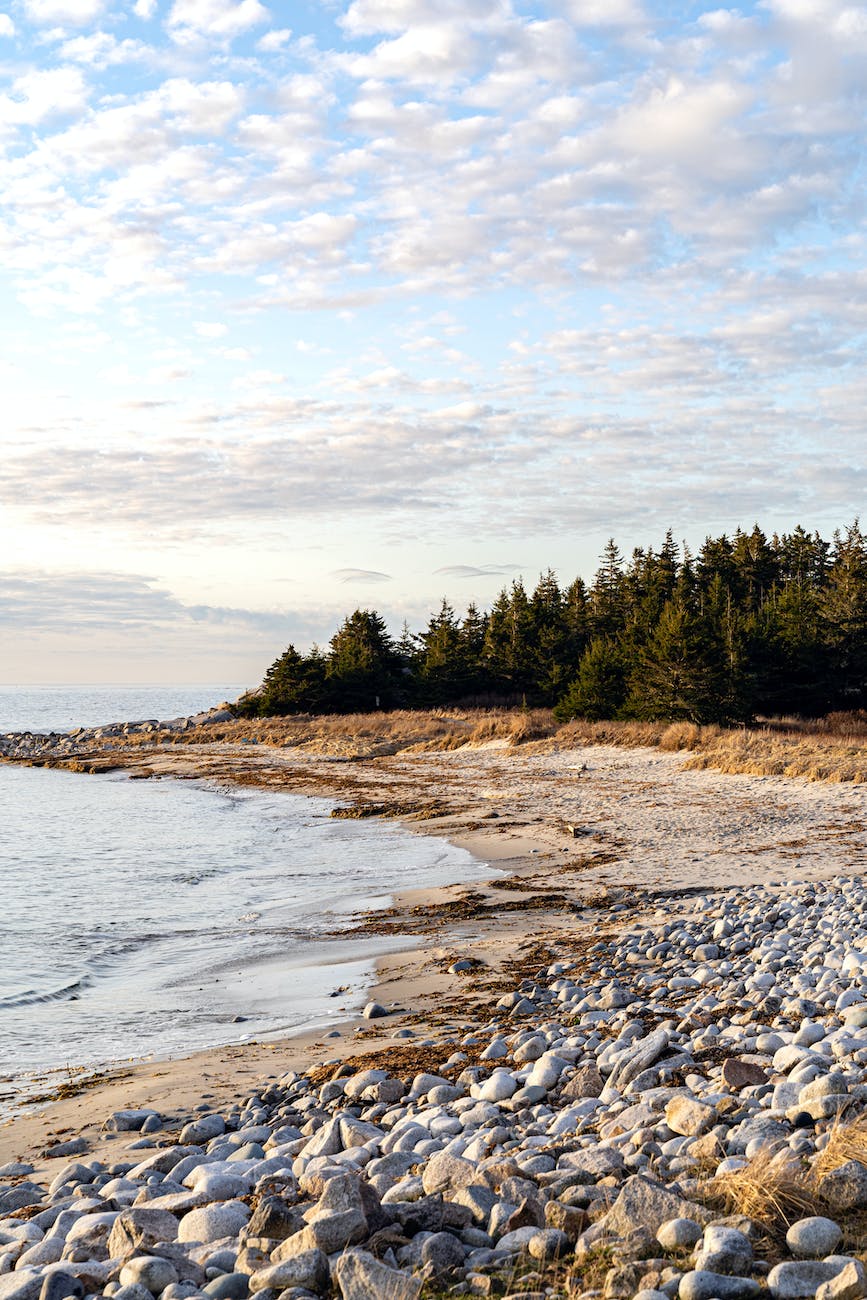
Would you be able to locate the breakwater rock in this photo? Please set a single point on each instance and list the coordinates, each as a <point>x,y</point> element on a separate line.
<point>681,1113</point>
<point>24,746</point>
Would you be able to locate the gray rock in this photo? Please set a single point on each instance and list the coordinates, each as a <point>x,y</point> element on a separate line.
<point>138,1229</point>
<point>637,1058</point>
<point>374,1011</point>
<point>202,1129</point>
<point>149,1271</point>
<point>849,1284</point>
<point>442,1251</point>
<point>61,1286</point>
<point>213,1222</point>
<point>309,1269</point>
<point>129,1121</point>
<point>360,1276</point>
<point>700,1285</point>
<point>689,1116</point>
<point>445,1171</point>
<point>814,1238</point>
<point>275,1219</point>
<point>679,1234</point>
<point>724,1250</point>
<point>799,1279</point>
<point>845,1188</point>
<point>548,1244</point>
<point>231,1286</point>
<point>646,1204</point>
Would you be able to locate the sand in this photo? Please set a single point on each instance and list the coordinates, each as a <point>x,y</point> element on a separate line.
<point>581,842</point>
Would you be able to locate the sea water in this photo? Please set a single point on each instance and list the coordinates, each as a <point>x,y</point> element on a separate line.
<point>144,918</point>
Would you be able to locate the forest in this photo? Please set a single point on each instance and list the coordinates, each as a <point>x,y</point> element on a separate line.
<point>749,626</point>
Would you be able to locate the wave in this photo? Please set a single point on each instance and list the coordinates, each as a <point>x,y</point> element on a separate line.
<point>31,997</point>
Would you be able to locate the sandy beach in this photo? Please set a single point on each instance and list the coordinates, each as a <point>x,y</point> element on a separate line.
<point>583,840</point>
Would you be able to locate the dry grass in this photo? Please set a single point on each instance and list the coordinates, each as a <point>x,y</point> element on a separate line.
<point>375,734</point>
<point>845,1142</point>
<point>828,749</point>
<point>772,1190</point>
<point>814,756</point>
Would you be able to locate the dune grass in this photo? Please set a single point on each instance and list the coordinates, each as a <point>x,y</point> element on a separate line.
<point>827,749</point>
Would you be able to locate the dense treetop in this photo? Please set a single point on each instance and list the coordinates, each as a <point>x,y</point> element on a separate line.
<point>750,625</point>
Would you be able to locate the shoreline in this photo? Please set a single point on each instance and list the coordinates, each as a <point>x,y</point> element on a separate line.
<point>502,921</point>
<point>176,1083</point>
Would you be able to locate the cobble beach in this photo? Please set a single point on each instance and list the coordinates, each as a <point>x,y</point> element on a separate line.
<point>630,1063</point>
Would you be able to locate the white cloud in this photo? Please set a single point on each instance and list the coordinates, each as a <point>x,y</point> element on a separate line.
<point>276,39</point>
<point>361,575</point>
<point>192,19</point>
<point>7,27</point>
<point>211,329</point>
<point>41,95</point>
<point>367,17</point>
<point>607,13</point>
<point>145,9</point>
<point>73,13</point>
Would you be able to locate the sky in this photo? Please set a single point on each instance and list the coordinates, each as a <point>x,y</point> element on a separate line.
<point>312,306</point>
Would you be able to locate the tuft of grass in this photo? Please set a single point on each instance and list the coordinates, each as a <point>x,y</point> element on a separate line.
<point>772,1190</point>
<point>846,1141</point>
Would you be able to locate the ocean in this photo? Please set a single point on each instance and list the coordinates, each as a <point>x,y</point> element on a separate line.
<point>152,918</point>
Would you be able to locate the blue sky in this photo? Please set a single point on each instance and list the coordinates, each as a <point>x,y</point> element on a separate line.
<point>316,305</point>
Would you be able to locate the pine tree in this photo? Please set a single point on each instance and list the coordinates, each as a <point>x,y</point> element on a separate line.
<point>599,688</point>
<point>844,607</point>
<point>549,640</point>
<point>679,673</point>
<point>363,667</point>
<point>293,684</point>
<point>607,595</point>
<point>442,671</point>
<point>472,646</point>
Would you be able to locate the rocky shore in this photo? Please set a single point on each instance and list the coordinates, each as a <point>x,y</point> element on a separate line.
<point>677,1112</point>
<point>59,746</point>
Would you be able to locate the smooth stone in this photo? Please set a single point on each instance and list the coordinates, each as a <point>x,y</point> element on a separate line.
<point>231,1286</point>
<point>700,1285</point>
<point>129,1121</point>
<point>149,1271</point>
<point>374,1011</point>
<point>442,1251</point>
<point>213,1222</point>
<point>800,1279</point>
<point>61,1286</point>
<point>814,1238</point>
<point>679,1234</point>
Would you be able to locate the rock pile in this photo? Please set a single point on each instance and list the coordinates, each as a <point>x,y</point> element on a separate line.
<point>645,1123</point>
<point>25,746</point>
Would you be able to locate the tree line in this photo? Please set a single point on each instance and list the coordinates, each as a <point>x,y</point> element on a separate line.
<point>749,625</point>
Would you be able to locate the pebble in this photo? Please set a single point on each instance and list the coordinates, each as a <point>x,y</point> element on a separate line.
<point>602,1098</point>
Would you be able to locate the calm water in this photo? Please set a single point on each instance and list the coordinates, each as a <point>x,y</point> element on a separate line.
<point>140,917</point>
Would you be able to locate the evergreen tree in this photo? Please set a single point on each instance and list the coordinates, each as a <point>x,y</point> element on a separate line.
<point>748,626</point>
<point>755,566</point>
<point>607,595</point>
<point>363,667</point>
<point>472,648</point>
<point>293,684</point>
<point>844,607</point>
<point>548,639</point>
<point>679,672</point>
<point>599,689</point>
<point>442,671</point>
